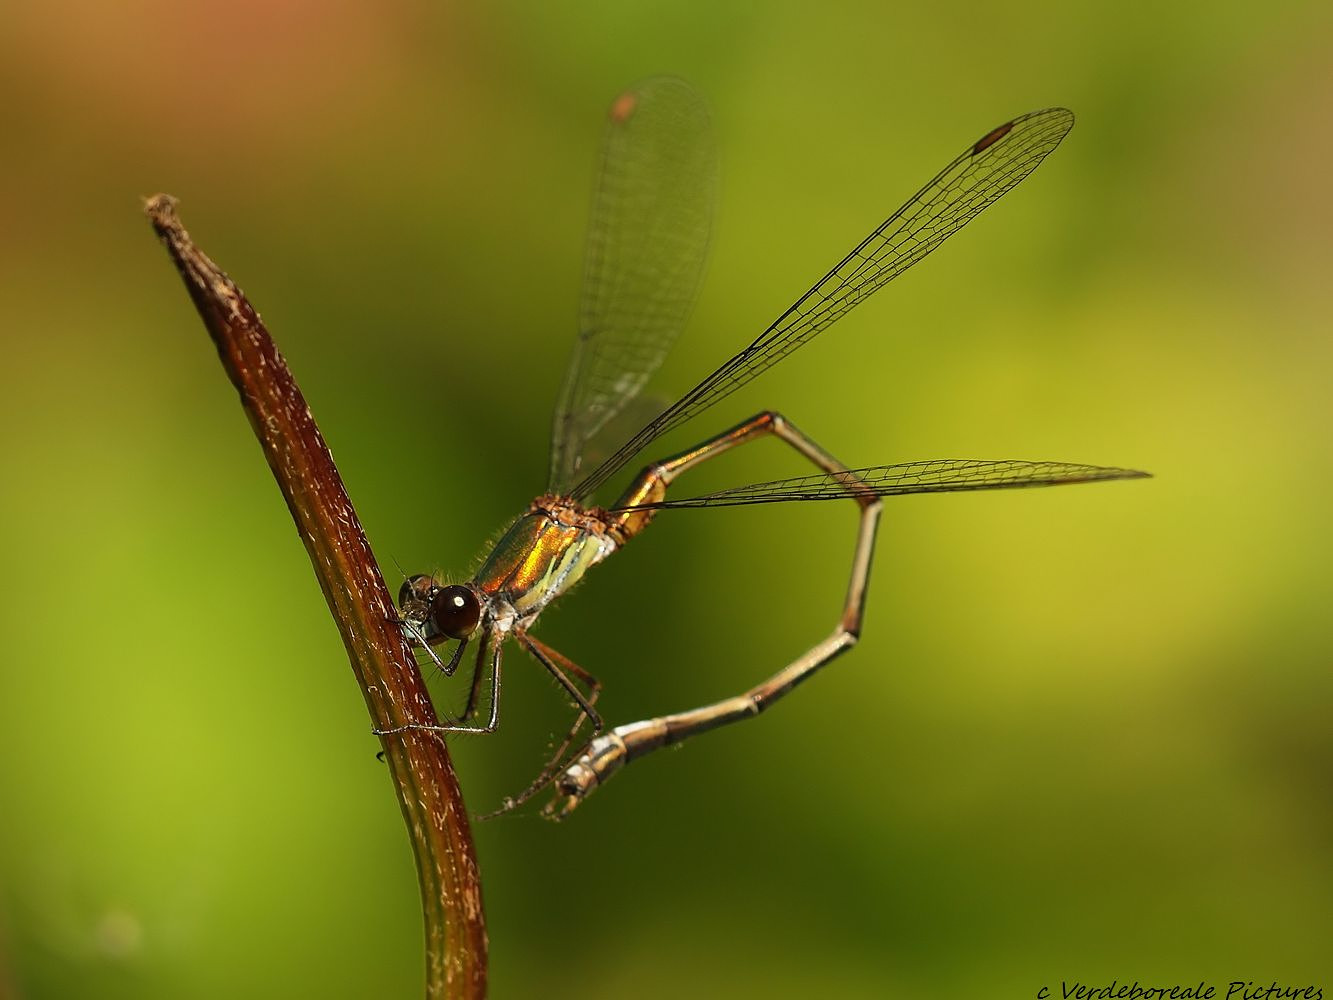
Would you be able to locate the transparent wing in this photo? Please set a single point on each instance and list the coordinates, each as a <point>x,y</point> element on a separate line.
<point>939,476</point>
<point>651,215</point>
<point>979,176</point>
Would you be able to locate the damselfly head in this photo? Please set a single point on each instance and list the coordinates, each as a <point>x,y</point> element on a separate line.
<point>416,590</point>
<point>414,603</point>
<point>455,611</point>
<point>439,612</point>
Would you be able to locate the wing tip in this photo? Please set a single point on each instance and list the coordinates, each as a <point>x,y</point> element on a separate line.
<point>1129,474</point>
<point>1060,117</point>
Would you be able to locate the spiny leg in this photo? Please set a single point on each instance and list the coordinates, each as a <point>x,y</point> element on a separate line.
<point>489,654</point>
<point>594,691</point>
<point>418,638</point>
<point>608,753</point>
<point>548,657</point>
<point>474,690</point>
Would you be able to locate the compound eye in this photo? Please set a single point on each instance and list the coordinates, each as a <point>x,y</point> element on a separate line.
<point>415,588</point>
<point>455,611</point>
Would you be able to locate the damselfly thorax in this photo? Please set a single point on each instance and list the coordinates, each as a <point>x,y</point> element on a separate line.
<point>651,219</point>
<point>542,555</point>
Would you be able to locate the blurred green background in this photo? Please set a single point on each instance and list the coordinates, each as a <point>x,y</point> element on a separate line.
<point>1087,734</point>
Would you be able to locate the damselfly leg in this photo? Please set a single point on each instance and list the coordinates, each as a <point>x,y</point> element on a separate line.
<point>488,659</point>
<point>553,661</point>
<point>560,666</point>
<point>474,692</point>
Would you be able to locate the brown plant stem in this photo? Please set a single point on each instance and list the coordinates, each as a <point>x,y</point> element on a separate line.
<point>394,690</point>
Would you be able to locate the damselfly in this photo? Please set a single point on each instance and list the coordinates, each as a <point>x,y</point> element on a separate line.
<point>651,217</point>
